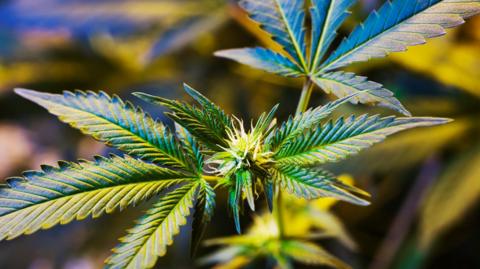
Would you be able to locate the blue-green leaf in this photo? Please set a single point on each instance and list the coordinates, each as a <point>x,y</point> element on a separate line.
<point>337,140</point>
<point>397,25</point>
<point>42,199</point>
<point>265,123</point>
<point>118,124</point>
<point>264,59</point>
<point>149,238</point>
<point>327,16</point>
<point>284,21</point>
<point>343,84</point>
<point>314,183</point>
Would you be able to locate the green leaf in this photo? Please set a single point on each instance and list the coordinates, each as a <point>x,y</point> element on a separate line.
<point>204,208</point>
<point>302,122</point>
<point>337,140</point>
<point>265,123</point>
<point>311,183</point>
<point>118,124</point>
<point>457,191</point>
<point>42,199</point>
<point>284,21</point>
<point>263,59</point>
<point>149,238</point>
<point>208,125</point>
<point>327,16</point>
<point>191,147</point>
<point>343,84</point>
<point>309,253</point>
<point>211,109</point>
<point>397,25</point>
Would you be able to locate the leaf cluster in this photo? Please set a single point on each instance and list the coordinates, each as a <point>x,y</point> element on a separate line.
<point>305,51</point>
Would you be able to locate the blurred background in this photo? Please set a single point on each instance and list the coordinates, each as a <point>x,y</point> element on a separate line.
<point>425,183</point>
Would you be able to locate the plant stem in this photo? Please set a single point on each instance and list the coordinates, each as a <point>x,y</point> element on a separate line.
<point>305,96</point>
<point>278,207</point>
<point>278,213</point>
<point>212,178</point>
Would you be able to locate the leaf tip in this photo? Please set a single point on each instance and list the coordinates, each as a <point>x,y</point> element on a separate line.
<point>26,93</point>
<point>223,53</point>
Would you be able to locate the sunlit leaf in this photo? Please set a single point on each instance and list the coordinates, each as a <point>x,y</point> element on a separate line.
<point>343,84</point>
<point>42,199</point>
<point>300,123</point>
<point>397,25</point>
<point>337,140</point>
<point>113,122</point>
<point>149,238</point>
<point>327,17</point>
<point>314,183</point>
<point>264,59</point>
<point>284,21</point>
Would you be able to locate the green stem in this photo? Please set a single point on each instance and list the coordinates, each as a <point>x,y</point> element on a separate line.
<point>212,178</point>
<point>278,207</point>
<point>278,213</point>
<point>305,96</point>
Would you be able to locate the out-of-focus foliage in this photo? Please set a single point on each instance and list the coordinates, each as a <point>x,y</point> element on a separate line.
<point>457,191</point>
<point>307,221</point>
<point>458,67</point>
<point>119,42</point>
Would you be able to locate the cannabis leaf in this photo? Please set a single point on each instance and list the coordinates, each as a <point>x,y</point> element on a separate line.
<point>208,124</point>
<point>119,124</point>
<point>177,168</point>
<point>337,140</point>
<point>397,25</point>
<point>314,183</point>
<point>42,199</point>
<point>154,231</point>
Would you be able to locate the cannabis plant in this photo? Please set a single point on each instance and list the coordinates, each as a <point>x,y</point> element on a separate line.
<point>180,169</point>
<point>208,150</point>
